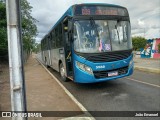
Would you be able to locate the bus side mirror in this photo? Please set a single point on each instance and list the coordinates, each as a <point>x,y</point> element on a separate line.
<point>69,26</point>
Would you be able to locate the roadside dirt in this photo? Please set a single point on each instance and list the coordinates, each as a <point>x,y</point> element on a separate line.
<point>43,93</point>
<point>5,100</point>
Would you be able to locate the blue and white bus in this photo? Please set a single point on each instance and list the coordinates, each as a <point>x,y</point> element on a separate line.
<point>90,43</point>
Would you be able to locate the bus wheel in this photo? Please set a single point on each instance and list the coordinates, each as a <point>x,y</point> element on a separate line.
<point>62,73</point>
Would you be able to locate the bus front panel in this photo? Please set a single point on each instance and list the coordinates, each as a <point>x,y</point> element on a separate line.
<point>89,72</point>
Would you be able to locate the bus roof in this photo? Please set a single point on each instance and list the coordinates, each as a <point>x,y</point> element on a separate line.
<point>70,12</point>
<point>101,4</point>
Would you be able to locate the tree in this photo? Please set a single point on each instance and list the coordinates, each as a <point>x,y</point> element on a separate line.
<point>29,28</point>
<point>36,47</point>
<point>3,30</point>
<point>138,42</point>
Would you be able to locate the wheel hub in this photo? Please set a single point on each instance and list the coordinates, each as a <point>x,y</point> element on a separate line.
<point>62,72</point>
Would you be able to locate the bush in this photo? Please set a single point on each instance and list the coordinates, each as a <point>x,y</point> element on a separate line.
<point>138,42</point>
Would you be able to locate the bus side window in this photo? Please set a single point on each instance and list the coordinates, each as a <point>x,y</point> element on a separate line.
<point>48,42</point>
<point>76,38</point>
<point>59,40</point>
<point>56,38</point>
<point>53,39</point>
<point>60,36</point>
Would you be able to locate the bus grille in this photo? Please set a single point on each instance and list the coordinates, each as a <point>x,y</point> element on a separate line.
<point>104,74</point>
<point>109,56</point>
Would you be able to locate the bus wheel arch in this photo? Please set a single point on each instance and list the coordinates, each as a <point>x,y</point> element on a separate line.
<point>62,71</point>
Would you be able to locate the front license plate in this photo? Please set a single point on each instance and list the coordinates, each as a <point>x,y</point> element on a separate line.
<point>114,73</point>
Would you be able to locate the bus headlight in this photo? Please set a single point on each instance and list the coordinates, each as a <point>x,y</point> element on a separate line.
<point>84,67</point>
<point>130,63</point>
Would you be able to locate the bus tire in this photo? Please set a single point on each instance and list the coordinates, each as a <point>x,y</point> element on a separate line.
<point>62,73</point>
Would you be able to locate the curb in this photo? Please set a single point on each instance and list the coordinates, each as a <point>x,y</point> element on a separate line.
<point>84,110</point>
<point>153,70</point>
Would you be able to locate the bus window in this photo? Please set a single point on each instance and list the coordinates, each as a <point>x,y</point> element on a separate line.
<point>53,40</point>
<point>59,40</point>
<point>60,36</point>
<point>119,35</point>
<point>56,38</point>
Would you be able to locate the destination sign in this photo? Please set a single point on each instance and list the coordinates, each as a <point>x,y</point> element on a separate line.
<point>100,10</point>
<point>86,11</point>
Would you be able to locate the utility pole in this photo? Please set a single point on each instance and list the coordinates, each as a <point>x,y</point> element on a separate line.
<point>17,84</point>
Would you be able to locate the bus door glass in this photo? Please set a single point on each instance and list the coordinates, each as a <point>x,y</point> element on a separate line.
<point>67,47</point>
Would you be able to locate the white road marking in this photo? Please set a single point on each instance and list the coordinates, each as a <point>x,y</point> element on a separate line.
<point>70,95</point>
<point>143,82</point>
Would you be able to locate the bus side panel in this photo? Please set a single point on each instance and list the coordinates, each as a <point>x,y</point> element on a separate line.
<point>53,58</point>
<point>56,57</point>
<point>49,58</point>
<point>45,57</point>
<point>61,56</point>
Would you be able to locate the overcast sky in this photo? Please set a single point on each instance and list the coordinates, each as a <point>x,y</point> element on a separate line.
<point>144,14</point>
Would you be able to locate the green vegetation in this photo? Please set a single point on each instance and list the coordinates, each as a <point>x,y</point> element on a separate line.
<point>138,42</point>
<point>36,48</point>
<point>3,30</point>
<point>29,28</point>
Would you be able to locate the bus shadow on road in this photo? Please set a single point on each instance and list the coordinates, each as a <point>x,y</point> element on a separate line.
<point>111,89</point>
<point>98,85</point>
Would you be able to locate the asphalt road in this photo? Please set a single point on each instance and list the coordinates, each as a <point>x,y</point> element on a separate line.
<point>139,92</point>
<point>135,93</point>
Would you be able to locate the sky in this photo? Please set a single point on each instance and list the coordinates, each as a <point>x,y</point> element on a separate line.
<point>144,14</point>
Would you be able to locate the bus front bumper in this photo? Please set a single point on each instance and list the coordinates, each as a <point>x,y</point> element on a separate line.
<point>83,77</point>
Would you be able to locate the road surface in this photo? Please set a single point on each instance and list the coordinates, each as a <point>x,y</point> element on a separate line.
<point>139,92</point>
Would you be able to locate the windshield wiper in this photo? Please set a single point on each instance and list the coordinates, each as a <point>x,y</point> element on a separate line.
<point>94,26</point>
<point>117,33</point>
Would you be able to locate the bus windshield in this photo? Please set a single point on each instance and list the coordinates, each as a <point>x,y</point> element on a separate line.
<point>95,36</point>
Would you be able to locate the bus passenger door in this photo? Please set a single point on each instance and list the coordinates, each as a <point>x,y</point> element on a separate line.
<point>67,49</point>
